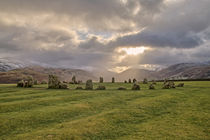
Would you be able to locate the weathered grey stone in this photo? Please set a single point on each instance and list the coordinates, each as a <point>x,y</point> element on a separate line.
<point>89,85</point>
<point>35,82</point>
<point>101,88</point>
<point>101,80</point>
<point>180,85</point>
<point>63,86</point>
<point>168,85</point>
<point>122,88</point>
<point>21,83</point>
<point>145,81</point>
<point>151,86</point>
<point>74,80</point>
<point>43,82</point>
<point>79,88</point>
<point>27,82</point>
<point>54,83</point>
<point>134,80</point>
<point>113,80</point>
<point>136,87</point>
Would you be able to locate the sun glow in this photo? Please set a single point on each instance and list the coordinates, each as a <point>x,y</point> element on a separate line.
<point>133,51</point>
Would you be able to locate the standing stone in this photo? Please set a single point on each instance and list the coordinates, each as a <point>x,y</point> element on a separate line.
<point>35,82</point>
<point>180,85</point>
<point>43,82</point>
<point>135,87</point>
<point>27,82</point>
<point>172,84</point>
<point>129,81</point>
<point>89,85</point>
<point>134,80</point>
<point>101,88</point>
<point>145,81</point>
<point>21,83</point>
<point>74,80</point>
<point>53,82</point>
<point>101,80</point>
<point>151,86</point>
<point>113,80</point>
<point>168,85</point>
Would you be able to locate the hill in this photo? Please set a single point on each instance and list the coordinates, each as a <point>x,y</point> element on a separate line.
<point>10,64</point>
<point>138,74</point>
<point>12,71</point>
<point>177,71</point>
<point>41,74</point>
<point>185,71</point>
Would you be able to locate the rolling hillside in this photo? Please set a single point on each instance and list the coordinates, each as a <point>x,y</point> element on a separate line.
<point>13,71</point>
<point>41,74</point>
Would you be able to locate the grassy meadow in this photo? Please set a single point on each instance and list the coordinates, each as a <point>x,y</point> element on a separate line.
<point>41,113</point>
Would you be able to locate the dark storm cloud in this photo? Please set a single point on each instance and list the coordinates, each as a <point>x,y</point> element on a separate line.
<point>152,39</point>
<point>178,26</point>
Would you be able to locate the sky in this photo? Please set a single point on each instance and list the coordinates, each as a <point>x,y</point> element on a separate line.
<point>105,34</point>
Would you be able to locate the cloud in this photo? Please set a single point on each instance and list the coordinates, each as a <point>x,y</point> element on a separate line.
<point>86,33</point>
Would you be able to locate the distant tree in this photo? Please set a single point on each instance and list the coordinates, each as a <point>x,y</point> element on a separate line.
<point>125,81</point>
<point>113,80</point>
<point>101,80</point>
<point>129,81</point>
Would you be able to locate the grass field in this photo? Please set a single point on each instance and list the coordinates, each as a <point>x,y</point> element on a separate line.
<point>40,113</point>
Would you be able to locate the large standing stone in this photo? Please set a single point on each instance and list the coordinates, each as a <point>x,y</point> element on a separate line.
<point>180,85</point>
<point>27,82</point>
<point>113,80</point>
<point>54,83</point>
<point>101,80</point>
<point>89,85</point>
<point>74,80</point>
<point>168,85</point>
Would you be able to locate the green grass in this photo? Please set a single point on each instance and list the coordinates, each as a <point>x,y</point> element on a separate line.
<point>41,113</point>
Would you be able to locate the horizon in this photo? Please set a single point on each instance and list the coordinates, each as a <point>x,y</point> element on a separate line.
<point>129,34</point>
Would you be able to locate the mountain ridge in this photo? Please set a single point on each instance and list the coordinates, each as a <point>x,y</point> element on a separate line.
<point>12,72</point>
